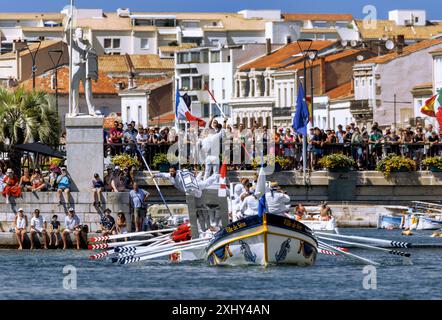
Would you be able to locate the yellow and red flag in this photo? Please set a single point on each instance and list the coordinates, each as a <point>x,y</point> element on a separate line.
<point>428,107</point>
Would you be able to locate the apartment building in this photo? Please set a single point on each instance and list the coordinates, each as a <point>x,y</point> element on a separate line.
<point>377,81</point>
<point>31,26</point>
<point>201,69</point>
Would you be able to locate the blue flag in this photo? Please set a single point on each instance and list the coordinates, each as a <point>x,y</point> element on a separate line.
<point>262,205</point>
<point>301,119</point>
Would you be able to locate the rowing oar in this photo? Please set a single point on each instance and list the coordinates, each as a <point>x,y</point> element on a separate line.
<point>154,181</point>
<point>134,250</point>
<point>354,256</point>
<point>129,235</point>
<point>112,251</point>
<point>391,243</point>
<point>366,246</point>
<point>157,255</point>
<point>327,252</point>
<point>117,244</point>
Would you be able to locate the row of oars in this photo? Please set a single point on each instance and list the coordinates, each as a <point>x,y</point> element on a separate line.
<point>337,238</point>
<point>163,245</point>
<point>139,250</point>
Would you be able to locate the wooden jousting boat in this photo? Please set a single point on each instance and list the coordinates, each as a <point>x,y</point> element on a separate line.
<point>270,239</point>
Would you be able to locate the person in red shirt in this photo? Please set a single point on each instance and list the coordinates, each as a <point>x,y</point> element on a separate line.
<point>12,189</point>
<point>116,138</point>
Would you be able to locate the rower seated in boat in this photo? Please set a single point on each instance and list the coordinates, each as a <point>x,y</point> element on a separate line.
<point>249,206</point>
<point>277,201</point>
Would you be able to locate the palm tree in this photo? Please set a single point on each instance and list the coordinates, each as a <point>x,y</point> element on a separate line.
<point>27,117</point>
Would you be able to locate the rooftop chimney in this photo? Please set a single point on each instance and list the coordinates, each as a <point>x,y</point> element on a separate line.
<point>400,43</point>
<point>268,46</point>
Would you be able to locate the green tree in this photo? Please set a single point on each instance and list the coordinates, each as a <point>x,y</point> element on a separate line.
<point>27,117</point>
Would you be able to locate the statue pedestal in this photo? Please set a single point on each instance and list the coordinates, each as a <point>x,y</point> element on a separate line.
<point>84,150</point>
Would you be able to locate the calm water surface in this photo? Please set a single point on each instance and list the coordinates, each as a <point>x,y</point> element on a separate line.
<point>39,275</point>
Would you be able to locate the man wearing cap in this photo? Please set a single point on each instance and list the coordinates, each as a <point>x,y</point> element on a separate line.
<point>107,223</point>
<point>63,185</point>
<point>72,224</point>
<point>11,189</point>
<point>276,200</point>
<point>249,206</point>
<point>38,226</point>
<point>138,199</point>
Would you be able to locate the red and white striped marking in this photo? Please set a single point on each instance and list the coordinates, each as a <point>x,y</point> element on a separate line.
<point>101,255</point>
<point>98,239</point>
<point>331,253</point>
<point>98,246</point>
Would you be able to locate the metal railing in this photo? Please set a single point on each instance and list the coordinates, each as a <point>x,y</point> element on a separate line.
<point>366,155</point>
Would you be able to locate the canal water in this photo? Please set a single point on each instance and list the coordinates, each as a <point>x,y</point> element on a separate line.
<point>39,275</point>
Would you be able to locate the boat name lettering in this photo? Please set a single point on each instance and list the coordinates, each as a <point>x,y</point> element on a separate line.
<point>236,226</point>
<point>293,224</point>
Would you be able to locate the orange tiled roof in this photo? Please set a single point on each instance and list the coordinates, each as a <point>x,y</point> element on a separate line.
<point>406,51</point>
<point>438,51</point>
<point>284,56</point>
<point>340,92</point>
<point>317,16</point>
<point>163,119</point>
<point>106,85</point>
<point>328,58</point>
<point>121,63</point>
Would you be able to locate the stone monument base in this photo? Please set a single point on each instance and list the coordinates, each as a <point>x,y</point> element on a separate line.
<point>84,150</point>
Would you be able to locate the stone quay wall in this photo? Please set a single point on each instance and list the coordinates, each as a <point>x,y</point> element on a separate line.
<point>47,203</point>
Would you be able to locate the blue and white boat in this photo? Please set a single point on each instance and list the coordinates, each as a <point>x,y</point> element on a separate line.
<point>267,240</point>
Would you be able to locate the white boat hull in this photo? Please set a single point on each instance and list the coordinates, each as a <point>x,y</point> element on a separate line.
<point>317,225</point>
<point>274,240</point>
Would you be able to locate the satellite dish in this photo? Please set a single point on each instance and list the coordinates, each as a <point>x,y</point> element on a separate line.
<point>389,45</point>
<point>360,57</point>
<point>344,43</point>
<point>353,43</point>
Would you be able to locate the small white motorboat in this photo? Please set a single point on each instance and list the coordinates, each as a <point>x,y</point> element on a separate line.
<point>270,239</point>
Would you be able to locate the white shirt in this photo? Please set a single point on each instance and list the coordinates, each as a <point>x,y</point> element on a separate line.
<point>38,223</point>
<point>250,206</point>
<point>70,223</point>
<point>277,203</point>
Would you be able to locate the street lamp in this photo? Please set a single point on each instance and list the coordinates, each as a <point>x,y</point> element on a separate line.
<point>311,56</point>
<point>34,57</point>
<point>56,64</point>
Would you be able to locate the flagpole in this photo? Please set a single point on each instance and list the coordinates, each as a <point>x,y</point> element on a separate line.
<point>71,23</point>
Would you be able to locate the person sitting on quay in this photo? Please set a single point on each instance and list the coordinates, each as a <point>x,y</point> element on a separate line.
<point>21,226</point>
<point>72,224</point>
<point>138,198</point>
<point>121,226</point>
<point>38,226</point>
<point>107,223</point>
<point>2,183</point>
<point>63,185</point>
<point>55,230</point>
<point>37,181</point>
<point>11,189</point>
<point>25,181</point>
<point>53,175</point>
<point>97,189</point>
<point>117,182</point>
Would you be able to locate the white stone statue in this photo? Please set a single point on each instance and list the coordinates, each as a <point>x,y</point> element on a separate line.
<point>85,69</point>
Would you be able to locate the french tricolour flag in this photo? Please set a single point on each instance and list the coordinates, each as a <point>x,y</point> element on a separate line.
<point>183,112</point>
